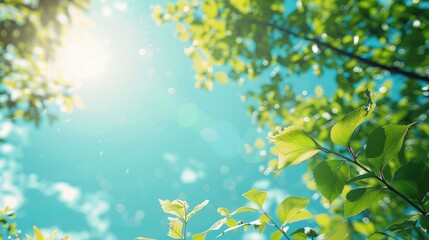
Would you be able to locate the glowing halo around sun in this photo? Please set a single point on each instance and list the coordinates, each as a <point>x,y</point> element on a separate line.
<point>81,56</point>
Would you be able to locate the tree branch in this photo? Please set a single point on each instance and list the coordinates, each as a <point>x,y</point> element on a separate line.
<point>379,178</point>
<point>366,61</point>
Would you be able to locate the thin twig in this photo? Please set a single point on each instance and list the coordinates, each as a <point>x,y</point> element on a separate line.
<point>379,178</point>
<point>275,224</point>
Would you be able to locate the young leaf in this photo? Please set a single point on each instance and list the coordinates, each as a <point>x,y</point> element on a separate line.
<point>358,200</point>
<point>277,235</point>
<point>384,144</point>
<point>38,234</point>
<point>243,209</point>
<point>196,209</point>
<point>299,216</point>
<point>290,207</point>
<point>177,207</point>
<point>330,177</point>
<point>295,146</point>
<point>175,229</point>
<point>343,130</point>
<point>256,196</point>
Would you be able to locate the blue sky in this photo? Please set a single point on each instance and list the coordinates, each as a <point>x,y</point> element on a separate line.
<point>145,133</point>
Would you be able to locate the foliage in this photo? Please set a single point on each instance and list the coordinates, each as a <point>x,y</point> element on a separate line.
<point>9,228</point>
<point>38,235</point>
<point>178,224</point>
<point>276,41</point>
<point>331,177</point>
<point>30,34</point>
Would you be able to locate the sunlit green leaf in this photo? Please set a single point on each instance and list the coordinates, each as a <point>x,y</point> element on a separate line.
<point>175,229</point>
<point>361,177</point>
<point>176,207</point>
<point>38,234</point>
<point>295,146</point>
<point>277,235</point>
<point>196,209</point>
<point>330,177</point>
<point>290,207</point>
<point>343,130</point>
<point>222,78</point>
<point>209,8</point>
<point>359,199</point>
<point>256,196</point>
<point>384,144</point>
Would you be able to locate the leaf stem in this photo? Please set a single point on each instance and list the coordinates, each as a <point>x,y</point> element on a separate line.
<point>275,224</point>
<point>379,178</point>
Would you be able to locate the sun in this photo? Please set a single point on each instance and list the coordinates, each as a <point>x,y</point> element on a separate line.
<point>82,56</point>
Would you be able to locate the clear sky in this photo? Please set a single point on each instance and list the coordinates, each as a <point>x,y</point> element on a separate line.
<point>145,133</point>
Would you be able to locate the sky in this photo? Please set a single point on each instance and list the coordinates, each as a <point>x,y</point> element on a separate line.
<point>145,133</point>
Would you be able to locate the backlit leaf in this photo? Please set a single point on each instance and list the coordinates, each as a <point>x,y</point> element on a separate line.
<point>277,235</point>
<point>256,196</point>
<point>290,207</point>
<point>209,8</point>
<point>384,144</point>
<point>222,78</point>
<point>176,207</point>
<point>196,209</point>
<point>175,229</point>
<point>359,199</point>
<point>295,146</point>
<point>330,177</point>
<point>343,130</point>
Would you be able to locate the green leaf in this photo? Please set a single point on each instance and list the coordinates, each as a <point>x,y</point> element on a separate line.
<point>378,236</point>
<point>277,235</point>
<point>199,236</point>
<point>196,209</point>
<point>384,144</point>
<point>177,207</point>
<point>255,224</point>
<point>304,233</point>
<point>290,207</point>
<point>38,234</point>
<point>143,238</point>
<point>343,130</point>
<point>222,78</point>
<point>411,179</point>
<point>424,222</point>
<point>359,199</point>
<point>243,209</point>
<point>398,221</point>
<point>301,215</point>
<point>209,8</point>
<point>175,229</point>
<point>338,230</point>
<point>361,177</point>
<point>330,177</point>
<point>295,146</point>
<point>256,196</point>
<point>223,211</point>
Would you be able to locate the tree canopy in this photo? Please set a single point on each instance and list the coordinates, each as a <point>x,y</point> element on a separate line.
<point>30,32</point>
<point>379,45</point>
